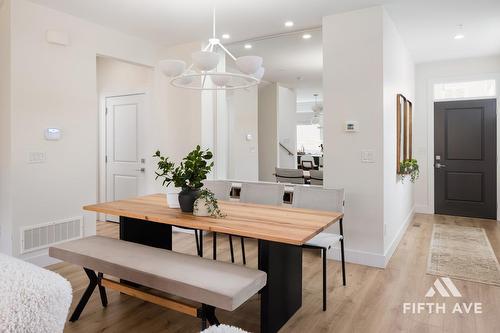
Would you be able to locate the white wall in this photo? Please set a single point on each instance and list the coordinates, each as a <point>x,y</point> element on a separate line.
<point>399,77</point>
<point>426,74</point>
<point>242,107</point>
<point>268,127</point>
<point>365,65</point>
<point>5,135</point>
<point>353,77</point>
<point>55,86</point>
<point>287,127</point>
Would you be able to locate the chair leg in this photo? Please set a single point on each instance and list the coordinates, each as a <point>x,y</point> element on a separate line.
<point>231,248</point>
<point>86,295</point>
<point>214,238</point>
<point>342,252</point>
<point>324,279</point>
<point>243,250</point>
<point>102,291</point>
<point>201,243</point>
<point>197,242</point>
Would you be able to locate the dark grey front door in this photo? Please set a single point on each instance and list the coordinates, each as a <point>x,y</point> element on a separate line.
<point>465,149</point>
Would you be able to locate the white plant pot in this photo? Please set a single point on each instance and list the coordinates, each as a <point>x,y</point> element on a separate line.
<point>200,207</point>
<point>173,197</point>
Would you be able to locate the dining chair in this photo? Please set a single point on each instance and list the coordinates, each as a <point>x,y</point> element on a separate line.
<point>261,194</point>
<point>329,200</point>
<point>307,162</point>
<point>316,177</point>
<point>222,191</point>
<point>293,176</point>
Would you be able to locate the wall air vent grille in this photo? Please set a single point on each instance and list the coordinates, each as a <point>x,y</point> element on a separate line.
<point>42,236</point>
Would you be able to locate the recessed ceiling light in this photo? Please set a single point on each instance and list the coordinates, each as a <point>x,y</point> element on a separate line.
<point>248,46</point>
<point>306,36</point>
<point>459,34</point>
<point>226,36</point>
<point>289,24</point>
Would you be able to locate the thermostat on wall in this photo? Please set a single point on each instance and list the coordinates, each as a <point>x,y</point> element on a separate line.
<point>351,126</point>
<point>52,134</point>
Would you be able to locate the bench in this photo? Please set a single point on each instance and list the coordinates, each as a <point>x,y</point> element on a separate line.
<point>214,284</point>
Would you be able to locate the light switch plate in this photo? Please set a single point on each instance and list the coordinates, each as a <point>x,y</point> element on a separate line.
<point>36,157</point>
<point>367,156</point>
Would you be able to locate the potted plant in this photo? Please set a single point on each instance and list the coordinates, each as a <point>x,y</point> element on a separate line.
<point>188,175</point>
<point>409,168</point>
<point>206,205</point>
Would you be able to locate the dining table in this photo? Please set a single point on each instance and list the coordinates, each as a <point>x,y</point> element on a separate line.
<point>281,232</point>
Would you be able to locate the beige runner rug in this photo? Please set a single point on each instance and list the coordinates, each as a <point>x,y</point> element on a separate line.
<point>463,253</point>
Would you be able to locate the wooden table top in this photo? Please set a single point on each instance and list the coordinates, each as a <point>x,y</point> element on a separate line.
<point>273,223</point>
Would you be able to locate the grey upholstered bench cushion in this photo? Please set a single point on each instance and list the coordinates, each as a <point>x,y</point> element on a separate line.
<point>223,285</point>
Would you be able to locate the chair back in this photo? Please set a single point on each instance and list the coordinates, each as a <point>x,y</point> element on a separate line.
<point>262,193</point>
<point>307,162</point>
<point>294,176</point>
<point>318,198</point>
<point>316,177</point>
<point>221,188</point>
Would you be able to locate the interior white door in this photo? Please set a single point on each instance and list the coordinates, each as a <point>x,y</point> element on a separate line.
<point>125,162</point>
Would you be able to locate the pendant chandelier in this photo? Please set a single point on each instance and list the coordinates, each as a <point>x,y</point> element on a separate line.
<point>317,118</point>
<point>204,68</point>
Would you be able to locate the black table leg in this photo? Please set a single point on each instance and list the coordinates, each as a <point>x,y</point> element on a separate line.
<point>282,296</point>
<point>146,232</point>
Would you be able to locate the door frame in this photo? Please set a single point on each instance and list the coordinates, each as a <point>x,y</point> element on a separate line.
<point>102,169</point>
<point>430,128</point>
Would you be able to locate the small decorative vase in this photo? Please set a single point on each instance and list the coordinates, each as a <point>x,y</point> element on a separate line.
<point>173,197</point>
<point>187,197</point>
<point>201,207</point>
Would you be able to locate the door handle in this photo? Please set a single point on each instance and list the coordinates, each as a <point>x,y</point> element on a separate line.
<point>439,166</point>
<point>141,169</point>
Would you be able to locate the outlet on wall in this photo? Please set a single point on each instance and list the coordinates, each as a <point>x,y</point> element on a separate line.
<point>36,157</point>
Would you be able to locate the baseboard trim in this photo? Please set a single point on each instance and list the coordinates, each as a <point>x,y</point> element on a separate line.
<point>395,242</point>
<point>423,209</point>
<point>41,260</point>
<point>358,257</point>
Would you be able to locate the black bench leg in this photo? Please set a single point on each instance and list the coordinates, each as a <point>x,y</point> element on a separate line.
<point>86,295</point>
<point>102,291</point>
<point>208,315</point>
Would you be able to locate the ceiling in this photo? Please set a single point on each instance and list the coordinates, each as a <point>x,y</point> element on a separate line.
<point>290,60</point>
<point>427,26</point>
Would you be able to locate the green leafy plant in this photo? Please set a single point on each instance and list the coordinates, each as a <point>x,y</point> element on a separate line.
<point>190,173</point>
<point>210,202</point>
<point>409,168</point>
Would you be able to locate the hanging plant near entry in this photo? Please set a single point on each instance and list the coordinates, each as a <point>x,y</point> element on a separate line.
<point>409,168</point>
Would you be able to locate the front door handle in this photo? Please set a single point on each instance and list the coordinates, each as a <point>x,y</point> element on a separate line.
<point>141,169</point>
<point>439,166</point>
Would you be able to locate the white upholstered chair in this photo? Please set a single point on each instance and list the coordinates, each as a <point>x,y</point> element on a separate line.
<point>261,194</point>
<point>293,176</point>
<point>222,191</point>
<point>323,199</point>
<point>316,177</point>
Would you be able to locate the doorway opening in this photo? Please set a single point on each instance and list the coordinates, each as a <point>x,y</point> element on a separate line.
<point>123,107</point>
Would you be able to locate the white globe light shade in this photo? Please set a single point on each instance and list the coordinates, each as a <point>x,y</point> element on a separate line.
<point>259,74</point>
<point>317,108</point>
<point>172,68</point>
<point>205,60</point>
<point>220,80</point>
<point>249,64</point>
<point>185,79</point>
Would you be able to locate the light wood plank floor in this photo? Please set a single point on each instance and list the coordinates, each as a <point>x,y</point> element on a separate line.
<point>372,301</point>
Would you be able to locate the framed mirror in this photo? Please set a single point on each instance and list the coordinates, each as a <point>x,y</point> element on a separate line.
<point>401,130</point>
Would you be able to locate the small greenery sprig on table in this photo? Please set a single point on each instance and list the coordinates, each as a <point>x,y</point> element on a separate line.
<point>190,173</point>
<point>409,168</point>
<point>211,203</point>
